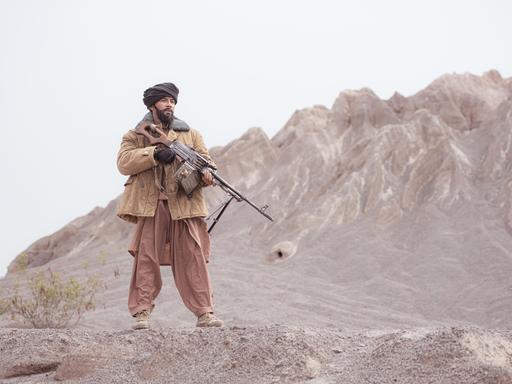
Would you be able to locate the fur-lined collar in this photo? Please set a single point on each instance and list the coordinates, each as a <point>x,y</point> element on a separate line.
<point>177,124</point>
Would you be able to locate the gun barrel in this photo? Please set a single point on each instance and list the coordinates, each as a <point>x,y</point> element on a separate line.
<point>194,158</point>
<point>238,196</point>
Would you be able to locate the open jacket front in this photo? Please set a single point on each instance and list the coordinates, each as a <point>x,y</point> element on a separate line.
<point>135,159</point>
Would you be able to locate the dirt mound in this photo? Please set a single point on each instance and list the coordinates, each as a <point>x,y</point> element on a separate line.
<point>257,355</point>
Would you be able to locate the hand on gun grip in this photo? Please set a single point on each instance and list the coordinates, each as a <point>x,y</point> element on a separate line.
<point>207,177</point>
<point>165,155</point>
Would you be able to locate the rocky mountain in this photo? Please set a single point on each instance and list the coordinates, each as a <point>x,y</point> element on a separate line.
<point>387,213</point>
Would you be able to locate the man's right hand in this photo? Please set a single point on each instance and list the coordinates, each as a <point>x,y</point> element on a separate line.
<point>164,155</point>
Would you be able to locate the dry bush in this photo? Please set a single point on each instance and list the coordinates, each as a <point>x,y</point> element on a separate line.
<point>4,306</point>
<point>52,302</point>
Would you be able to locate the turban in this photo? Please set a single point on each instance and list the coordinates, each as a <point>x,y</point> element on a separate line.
<point>159,91</point>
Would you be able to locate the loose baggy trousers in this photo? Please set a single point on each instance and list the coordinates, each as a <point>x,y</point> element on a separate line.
<point>185,246</point>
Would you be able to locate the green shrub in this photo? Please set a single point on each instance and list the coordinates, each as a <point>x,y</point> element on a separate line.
<point>52,302</point>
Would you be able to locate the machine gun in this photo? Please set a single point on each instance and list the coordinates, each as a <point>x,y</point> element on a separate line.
<point>192,165</point>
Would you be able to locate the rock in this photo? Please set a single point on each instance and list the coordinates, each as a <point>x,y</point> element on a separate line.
<point>76,367</point>
<point>281,251</point>
<point>313,367</point>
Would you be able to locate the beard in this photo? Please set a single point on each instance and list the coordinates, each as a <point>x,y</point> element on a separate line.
<point>165,117</point>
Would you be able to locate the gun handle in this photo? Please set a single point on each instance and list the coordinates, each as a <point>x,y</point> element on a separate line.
<point>148,130</point>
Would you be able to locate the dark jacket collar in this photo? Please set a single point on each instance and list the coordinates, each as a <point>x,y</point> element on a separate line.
<point>177,124</point>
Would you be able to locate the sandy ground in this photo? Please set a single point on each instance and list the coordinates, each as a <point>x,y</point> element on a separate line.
<point>271,354</point>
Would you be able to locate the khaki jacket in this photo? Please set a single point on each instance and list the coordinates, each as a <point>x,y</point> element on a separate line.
<point>135,159</point>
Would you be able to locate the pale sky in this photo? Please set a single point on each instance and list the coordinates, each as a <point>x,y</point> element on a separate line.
<point>72,75</point>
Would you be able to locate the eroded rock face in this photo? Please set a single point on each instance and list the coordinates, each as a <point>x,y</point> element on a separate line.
<point>398,204</point>
<point>465,101</point>
<point>368,156</point>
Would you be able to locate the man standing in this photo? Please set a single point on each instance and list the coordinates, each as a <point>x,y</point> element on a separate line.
<point>170,229</point>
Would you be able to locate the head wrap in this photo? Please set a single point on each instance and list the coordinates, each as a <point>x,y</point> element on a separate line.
<point>159,91</point>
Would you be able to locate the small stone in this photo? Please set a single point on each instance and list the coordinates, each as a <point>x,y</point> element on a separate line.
<point>313,367</point>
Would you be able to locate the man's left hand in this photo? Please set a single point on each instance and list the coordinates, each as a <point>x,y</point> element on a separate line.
<point>207,177</point>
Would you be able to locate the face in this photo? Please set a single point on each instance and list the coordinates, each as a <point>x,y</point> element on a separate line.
<point>164,109</point>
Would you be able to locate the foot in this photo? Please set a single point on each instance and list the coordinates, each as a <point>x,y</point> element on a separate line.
<point>142,320</point>
<point>208,319</point>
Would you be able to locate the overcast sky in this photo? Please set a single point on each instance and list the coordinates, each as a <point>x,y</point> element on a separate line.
<point>72,75</point>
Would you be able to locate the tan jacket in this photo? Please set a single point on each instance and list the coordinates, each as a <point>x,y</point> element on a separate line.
<point>135,158</point>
